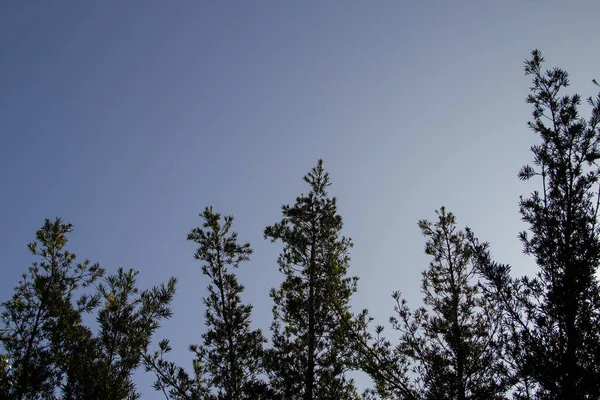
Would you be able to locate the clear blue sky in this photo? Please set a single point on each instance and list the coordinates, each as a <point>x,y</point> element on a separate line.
<point>128,118</point>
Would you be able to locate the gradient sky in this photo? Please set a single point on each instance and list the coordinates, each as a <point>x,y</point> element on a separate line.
<point>128,118</point>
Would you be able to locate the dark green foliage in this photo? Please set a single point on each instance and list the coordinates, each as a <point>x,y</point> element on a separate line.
<point>49,353</point>
<point>127,320</point>
<point>228,363</point>
<point>448,348</point>
<point>231,349</point>
<point>553,316</point>
<point>43,324</point>
<point>310,353</point>
<point>174,381</point>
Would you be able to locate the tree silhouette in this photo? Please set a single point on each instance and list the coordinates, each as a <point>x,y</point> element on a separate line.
<point>228,362</point>
<point>553,316</point>
<point>310,353</point>
<point>449,347</point>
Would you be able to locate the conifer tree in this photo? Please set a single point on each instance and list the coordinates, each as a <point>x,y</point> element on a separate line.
<point>449,348</point>
<point>310,353</point>
<point>48,350</point>
<point>228,363</point>
<point>42,321</point>
<point>127,321</point>
<point>554,316</point>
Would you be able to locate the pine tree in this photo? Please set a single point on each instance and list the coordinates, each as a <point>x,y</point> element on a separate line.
<point>310,353</point>
<point>42,321</point>
<point>48,350</point>
<point>127,321</point>
<point>554,316</point>
<point>229,360</point>
<point>448,348</point>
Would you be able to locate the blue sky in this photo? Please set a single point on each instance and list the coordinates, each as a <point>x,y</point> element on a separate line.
<point>128,118</point>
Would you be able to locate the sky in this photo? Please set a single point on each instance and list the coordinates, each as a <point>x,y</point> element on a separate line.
<point>127,119</point>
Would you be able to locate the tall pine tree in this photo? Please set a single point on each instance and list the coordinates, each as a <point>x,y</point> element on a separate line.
<point>448,349</point>
<point>310,353</point>
<point>229,360</point>
<point>554,316</point>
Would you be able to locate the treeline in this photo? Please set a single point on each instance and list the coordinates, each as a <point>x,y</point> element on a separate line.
<point>481,333</point>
